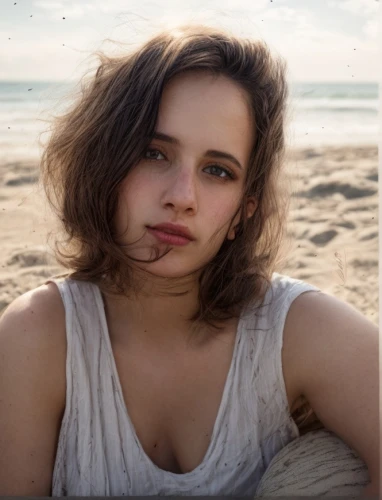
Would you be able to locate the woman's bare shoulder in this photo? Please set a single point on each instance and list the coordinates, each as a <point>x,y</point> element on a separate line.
<point>44,295</point>
<point>33,390</point>
<point>36,320</point>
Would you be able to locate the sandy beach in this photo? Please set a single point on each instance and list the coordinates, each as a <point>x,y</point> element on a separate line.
<point>333,225</point>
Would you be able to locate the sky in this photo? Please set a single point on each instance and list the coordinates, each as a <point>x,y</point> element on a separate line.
<point>321,40</point>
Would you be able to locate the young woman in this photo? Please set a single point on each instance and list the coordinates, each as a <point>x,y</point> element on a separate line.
<point>170,357</point>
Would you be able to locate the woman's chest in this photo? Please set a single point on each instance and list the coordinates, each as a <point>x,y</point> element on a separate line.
<point>173,399</point>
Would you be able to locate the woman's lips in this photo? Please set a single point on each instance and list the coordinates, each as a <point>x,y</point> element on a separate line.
<point>172,239</point>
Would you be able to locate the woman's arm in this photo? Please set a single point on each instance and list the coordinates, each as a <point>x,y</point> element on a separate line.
<point>335,351</point>
<point>32,391</point>
<point>372,490</point>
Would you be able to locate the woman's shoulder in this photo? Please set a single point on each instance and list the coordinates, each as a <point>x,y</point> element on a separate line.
<point>39,308</point>
<point>35,323</point>
<point>33,390</point>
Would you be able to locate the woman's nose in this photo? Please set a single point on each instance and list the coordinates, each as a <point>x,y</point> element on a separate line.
<point>182,191</point>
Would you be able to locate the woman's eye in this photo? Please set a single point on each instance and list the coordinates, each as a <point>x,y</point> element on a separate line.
<point>228,174</point>
<point>153,151</point>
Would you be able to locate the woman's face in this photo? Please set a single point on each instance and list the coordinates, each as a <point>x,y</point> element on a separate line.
<point>178,181</point>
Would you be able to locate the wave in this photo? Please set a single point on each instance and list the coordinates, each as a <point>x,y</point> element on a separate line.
<point>327,104</point>
<point>335,91</point>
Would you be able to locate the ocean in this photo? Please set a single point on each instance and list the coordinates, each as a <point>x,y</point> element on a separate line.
<point>334,114</point>
<point>319,114</point>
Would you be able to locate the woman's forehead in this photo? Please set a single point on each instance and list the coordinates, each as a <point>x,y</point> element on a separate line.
<point>205,88</point>
<point>202,107</point>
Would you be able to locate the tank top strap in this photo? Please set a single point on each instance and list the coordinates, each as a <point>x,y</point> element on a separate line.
<point>83,452</point>
<point>260,380</point>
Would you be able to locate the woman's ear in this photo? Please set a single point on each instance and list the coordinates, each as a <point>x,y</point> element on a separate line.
<point>251,208</point>
<point>252,204</point>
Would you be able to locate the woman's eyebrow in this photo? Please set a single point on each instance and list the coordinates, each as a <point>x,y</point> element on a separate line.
<point>210,152</point>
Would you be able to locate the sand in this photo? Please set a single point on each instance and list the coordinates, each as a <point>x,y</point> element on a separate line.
<point>333,224</point>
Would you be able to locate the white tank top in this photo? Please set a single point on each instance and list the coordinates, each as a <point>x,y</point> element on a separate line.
<point>98,451</point>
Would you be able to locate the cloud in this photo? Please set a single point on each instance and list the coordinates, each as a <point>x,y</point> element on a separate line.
<point>36,60</point>
<point>165,6</point>
<point>65,8</point>
<point>371,29</point>
<point>310,36</point>
<point>315,53</point>
<point>293,26</point>
<point>363,7</point>
<point>314,49</point>
<point>49,5</point>
<point>285,14</point>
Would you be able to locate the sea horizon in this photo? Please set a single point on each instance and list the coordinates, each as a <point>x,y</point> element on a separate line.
<point>319,113</point>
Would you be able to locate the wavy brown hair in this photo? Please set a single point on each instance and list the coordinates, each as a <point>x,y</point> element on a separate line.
<point>106,132</point>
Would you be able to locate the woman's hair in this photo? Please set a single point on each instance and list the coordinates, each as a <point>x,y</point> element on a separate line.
<point>105,133</point>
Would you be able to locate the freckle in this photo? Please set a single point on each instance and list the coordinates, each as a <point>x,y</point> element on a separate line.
<point>155,445</point>
<point>225,464</point>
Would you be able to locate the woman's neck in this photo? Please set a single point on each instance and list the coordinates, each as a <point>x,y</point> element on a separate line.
<point>154,318</point>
